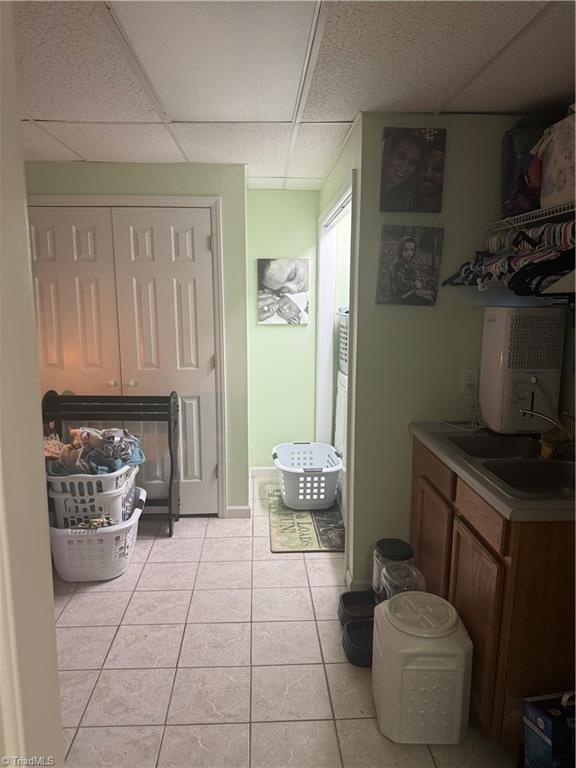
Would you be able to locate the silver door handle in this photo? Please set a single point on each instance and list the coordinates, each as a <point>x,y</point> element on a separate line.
<point>112,383</point>
<point>132,383</point>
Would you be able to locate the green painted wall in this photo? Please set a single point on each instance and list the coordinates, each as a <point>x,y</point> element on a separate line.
<point>281,368</point>
<point>227,182</point>
<point>408,359</point>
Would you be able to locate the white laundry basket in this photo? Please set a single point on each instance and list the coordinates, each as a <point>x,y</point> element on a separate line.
<point>95,555</point>
<point>421,670</point>
<point>343,315</point>
<point>75,499</point>
<point>308,474</point>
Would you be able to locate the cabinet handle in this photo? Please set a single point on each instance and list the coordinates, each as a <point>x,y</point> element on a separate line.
<point>112,383</point>
<point>132,383</point>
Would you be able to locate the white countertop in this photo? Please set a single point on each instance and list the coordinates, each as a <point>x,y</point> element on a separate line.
<point>535,508</point>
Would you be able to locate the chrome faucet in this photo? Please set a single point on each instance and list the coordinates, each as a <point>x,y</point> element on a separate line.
<point>557,424</point>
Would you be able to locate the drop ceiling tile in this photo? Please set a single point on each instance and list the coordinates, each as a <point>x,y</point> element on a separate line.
<point>118,143</point>
<point>535,71</point>
<point>38,145</point>
<point>262,146</point>
<point>316,148</point>
<point>221,61</point>
<point>405,56</point>
<point>71,65</point>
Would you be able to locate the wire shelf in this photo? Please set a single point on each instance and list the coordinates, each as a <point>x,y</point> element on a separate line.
<point>542,214</point>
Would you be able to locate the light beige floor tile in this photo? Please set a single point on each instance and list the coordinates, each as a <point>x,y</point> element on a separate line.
<point>60,602</point>
<point>62,587</point>
<point>68,736</point>
<point>261,486</point>
<point>295,745</point>
<point>326,602</point>
<point>364,747</point>
<point>331,641</point>
<point>142,550</point>
<point>262,551</point>
<point>148,529</point>
<point>326,573</point>
<point>219,575</point>
<point>289,604</point>
<point>260,526</point>
<point>130,697</point>
<point>190,527</point>
<point>83,647</point>
<point>267,573</point>
<point>324,555</point>
<point>92,610</point>
<point>158,607</point>
<point>205,746</point>
<point>116,747</point>
<point>294,692</point>
<point>351,691</point>
<point>167,576</point>
<point>124,583</point>
<point>476,751</point>
<point>220,605</point>
<point>219,528</point>
<point>227,550</point>
<point>176,551</point>
<point>141,646</point>
<point>259,507</point>
<point>217,695</point>
<point>75,690</point>
<point>285,642</point>
<point>216,645</point>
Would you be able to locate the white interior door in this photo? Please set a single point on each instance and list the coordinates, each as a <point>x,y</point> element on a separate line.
<point>75,293</point>
<point>164,273</point>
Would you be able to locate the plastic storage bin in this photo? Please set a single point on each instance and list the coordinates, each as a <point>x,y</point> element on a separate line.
<point>308,474</point>
<point>104,553</point>
<point>343,316</point>
<point>421,670</point>
<point>388,551</point>
<point>401,577</point>
<point>89,496</point>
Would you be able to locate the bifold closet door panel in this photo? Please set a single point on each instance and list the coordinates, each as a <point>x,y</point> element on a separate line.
<point>75,293</point>
<point>164,273</point>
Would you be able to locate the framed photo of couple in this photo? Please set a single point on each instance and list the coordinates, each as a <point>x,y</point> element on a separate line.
<point>412,173</point>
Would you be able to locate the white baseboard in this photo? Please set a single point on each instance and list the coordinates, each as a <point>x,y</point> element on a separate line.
<point>237,512</point>
<point>263,472</point>
<point>356,584</point>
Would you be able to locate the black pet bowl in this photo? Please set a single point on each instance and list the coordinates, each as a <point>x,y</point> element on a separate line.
<point>357,640</point>
<point>353,606</point>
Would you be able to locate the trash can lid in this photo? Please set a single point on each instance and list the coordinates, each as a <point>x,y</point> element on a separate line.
<point>421,614</point>
<point>394,549</point>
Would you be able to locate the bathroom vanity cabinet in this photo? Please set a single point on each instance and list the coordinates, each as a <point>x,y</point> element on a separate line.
<point>512,583</point>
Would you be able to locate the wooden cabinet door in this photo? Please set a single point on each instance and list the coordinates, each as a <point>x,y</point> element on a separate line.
<point>476,583</point>
<point>432,527</point>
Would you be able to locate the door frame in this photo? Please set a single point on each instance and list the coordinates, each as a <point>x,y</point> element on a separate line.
<point>213,204</point>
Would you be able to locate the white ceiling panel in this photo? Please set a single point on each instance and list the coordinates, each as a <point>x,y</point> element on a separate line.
<point>263,147</point>
<point>315,148</point>
<point>38,145</point>
<point>221,61</point>
<point>405,56</point>
<point>535,71</point>
<point>119,143</point>
<point>72,67</point>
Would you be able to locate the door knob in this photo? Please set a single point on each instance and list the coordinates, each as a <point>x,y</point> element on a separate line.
<point>132,383</point>
<point>112,383</point>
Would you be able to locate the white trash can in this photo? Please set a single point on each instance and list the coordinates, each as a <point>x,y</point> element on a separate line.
<point>421,670</point>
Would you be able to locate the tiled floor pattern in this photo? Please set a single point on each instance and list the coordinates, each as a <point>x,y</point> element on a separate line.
<point>213,652</point>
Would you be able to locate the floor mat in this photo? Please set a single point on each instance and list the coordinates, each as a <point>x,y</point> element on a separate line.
<point>303,531</point>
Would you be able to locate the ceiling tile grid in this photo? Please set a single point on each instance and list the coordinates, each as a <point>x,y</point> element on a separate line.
<point>72,67</point>
<point>314,149</point>
<point>39,145</point>
<point>262,146</point>
<point>118,142</point>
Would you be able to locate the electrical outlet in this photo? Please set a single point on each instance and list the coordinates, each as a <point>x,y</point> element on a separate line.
<point>468,381</point>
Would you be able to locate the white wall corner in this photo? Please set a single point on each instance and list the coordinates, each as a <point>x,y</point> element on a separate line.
<point>238,512</point>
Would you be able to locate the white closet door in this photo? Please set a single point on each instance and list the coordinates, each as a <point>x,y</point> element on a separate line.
<point>75,293</point>
<point>167,338</point>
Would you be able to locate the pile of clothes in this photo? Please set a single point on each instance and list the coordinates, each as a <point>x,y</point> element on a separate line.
<point>91,451</point>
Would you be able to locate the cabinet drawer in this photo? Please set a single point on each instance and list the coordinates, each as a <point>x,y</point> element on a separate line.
<point>434,470</point>
<point>482,517</point>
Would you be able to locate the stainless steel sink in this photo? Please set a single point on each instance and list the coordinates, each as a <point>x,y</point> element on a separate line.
<point>492,446</point>
<point>551,478</point>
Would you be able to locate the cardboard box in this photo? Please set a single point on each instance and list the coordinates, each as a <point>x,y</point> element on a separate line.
<point>549,731</point>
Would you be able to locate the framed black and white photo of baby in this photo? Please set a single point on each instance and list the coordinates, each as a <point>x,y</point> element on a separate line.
<point>283,292</point>
<point>412,172</point>
<point>409,266</point>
